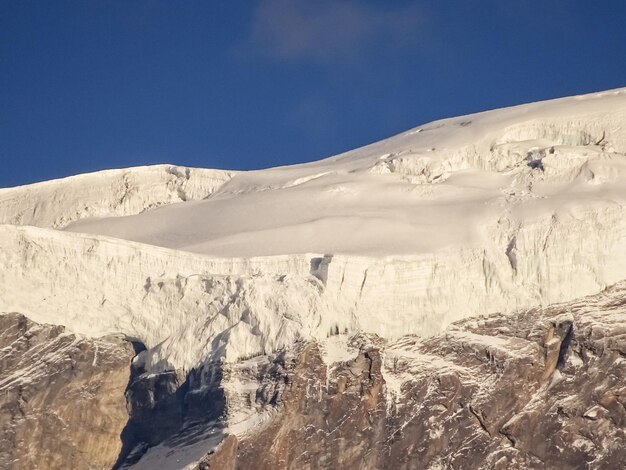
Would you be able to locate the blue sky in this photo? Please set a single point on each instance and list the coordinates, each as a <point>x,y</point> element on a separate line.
<point>94,84</point>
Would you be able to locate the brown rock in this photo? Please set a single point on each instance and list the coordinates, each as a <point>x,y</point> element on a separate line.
<point>62,401</point>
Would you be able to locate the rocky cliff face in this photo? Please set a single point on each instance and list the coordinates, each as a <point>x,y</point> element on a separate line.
<point>543,388</point>
<point>539,389</point>
<point>62,402</point>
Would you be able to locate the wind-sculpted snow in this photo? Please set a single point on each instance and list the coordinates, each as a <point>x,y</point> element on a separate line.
<point>57,203</point>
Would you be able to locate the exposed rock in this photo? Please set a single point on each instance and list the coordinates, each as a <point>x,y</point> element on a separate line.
<point>62,401</point>
<point>544,388</point>
<point>331,419</point>
<point>223,458</point>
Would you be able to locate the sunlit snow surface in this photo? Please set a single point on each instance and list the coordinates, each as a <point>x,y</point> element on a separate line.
<point>459,217</point>
<point>441,185</point>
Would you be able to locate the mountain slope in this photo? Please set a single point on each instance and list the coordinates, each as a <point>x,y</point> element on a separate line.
<point>273,301</point>
<point>443,185</point>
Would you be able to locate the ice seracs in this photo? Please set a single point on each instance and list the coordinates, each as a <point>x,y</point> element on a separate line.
<point>488,212</point>
<point>57,203</point>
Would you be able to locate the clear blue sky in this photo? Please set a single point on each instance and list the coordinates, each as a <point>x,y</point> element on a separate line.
<point>93,84</point>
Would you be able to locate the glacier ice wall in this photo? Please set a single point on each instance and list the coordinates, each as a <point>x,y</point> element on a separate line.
<point>190,308</point>
<point>495,211</point>
<point>57,203</point>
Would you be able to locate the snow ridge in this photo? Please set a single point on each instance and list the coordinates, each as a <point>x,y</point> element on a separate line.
<point>107,193</point>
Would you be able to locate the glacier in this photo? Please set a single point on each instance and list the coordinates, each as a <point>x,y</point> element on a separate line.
<point>496,211</point>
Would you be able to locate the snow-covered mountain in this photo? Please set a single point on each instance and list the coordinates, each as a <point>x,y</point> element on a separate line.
<point>218,273</point>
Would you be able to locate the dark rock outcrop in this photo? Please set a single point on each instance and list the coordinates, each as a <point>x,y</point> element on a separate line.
<point>171,408</point>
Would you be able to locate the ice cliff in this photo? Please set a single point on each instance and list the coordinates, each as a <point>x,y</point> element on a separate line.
<point>488,212</point>
<point>129,191</point>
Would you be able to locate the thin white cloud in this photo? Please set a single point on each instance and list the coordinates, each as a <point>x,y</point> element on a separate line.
<point>327,30</point>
